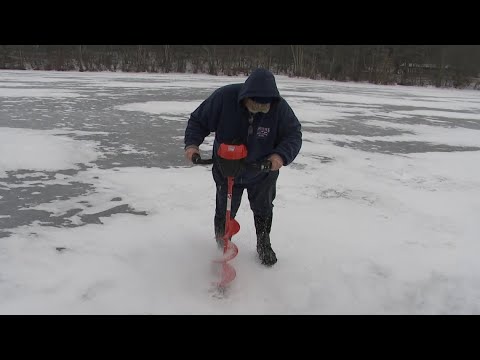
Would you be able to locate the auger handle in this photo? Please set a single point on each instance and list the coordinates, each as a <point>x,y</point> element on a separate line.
<point>197,160</point>
<point>263,166</point>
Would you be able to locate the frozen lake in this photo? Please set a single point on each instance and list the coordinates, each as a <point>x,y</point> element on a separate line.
<point>382,199</point>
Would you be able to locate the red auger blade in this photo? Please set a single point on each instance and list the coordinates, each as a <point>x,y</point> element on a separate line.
<point>228,274</point>
<point>229,253</point>
<point>233,227</point>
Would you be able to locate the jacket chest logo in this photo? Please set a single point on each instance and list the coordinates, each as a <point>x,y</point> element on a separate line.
<point>262,132</point>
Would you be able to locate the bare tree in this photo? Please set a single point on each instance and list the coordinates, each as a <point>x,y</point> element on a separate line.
<point>297,52</point>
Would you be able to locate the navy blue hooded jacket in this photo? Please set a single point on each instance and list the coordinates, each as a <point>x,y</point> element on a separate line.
<point>224,113</point>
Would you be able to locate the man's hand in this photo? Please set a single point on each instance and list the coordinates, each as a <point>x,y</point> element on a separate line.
<point>277,162</point>
<point>190,151</point>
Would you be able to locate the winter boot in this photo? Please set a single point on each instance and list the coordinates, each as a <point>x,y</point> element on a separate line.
<point>265,252</point>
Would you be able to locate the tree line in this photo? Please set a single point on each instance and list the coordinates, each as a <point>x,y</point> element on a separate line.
<point>437,65</point>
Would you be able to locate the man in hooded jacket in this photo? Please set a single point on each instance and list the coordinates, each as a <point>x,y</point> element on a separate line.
<point>254,114</point>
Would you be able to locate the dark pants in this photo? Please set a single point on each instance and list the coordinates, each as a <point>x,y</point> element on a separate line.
<point>261,194</point>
